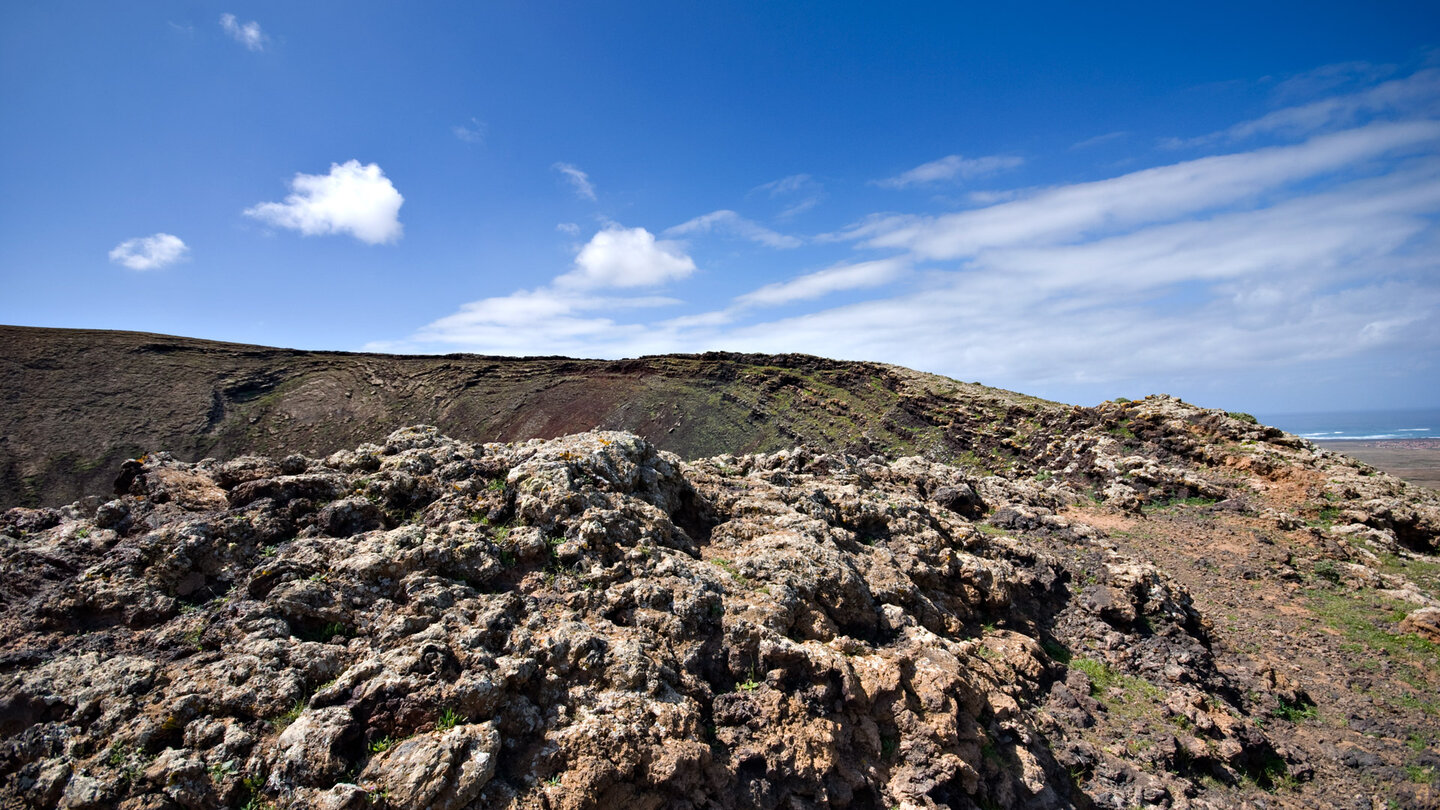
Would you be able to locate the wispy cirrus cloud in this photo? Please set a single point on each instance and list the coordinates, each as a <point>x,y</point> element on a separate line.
<point>1148,196</point>
<point>472,131</point>
<point>951,168</point>
<point>247,34</point>
<point>1293,261</point>
<point>839,278</point>
<point>353,198</point>
<point>801,192</point>
<point>1418,93</point>
<point>728,222</point>
<point>1109,137</point>
<point>579,181</point>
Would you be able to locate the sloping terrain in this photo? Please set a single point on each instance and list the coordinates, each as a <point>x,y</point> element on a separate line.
<point>75,404</point>
<point>1144,604</point>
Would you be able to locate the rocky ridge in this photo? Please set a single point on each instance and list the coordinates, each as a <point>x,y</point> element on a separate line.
<point>589,621</point>
<point>78,403</point>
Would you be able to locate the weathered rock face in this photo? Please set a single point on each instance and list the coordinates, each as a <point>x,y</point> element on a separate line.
<point>589,622</point>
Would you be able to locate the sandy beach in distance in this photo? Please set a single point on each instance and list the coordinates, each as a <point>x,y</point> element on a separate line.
<point>1415,460</point>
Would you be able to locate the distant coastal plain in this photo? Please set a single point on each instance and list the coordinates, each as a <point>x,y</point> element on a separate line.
<point>1415,460</point>
<point>1402,442</point>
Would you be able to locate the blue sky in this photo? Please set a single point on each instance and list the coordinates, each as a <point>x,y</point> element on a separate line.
<point>1236,204</point>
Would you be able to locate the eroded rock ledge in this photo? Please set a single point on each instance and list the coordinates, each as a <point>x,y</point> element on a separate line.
<point>588,622</point>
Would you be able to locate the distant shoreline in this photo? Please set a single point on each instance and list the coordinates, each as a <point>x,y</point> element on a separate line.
<point>1414,460</point>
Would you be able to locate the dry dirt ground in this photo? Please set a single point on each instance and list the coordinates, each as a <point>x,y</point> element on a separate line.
<point>1280,600</point>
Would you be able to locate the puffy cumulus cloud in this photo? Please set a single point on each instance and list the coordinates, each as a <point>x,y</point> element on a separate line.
<point>575,313</point>
<point>578,180</point>
<point>627,257</point>
<point>729,222</point>
<point>951,167</point>
<point>354,199</point>
<point>247,34</point>
<point>150,252</point>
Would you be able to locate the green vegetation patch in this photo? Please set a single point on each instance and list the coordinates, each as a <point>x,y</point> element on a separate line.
<point>1125,695</point>
<point>1370,623</point>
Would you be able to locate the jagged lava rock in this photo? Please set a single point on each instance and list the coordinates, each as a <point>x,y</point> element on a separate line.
<point>590,622</point>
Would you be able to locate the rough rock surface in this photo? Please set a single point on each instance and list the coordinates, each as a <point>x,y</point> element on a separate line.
<point>591,622</point>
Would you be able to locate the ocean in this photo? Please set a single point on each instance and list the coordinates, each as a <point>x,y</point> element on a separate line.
<point>1358,425</point>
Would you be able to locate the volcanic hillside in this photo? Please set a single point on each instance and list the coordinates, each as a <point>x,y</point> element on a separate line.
<point>77,403</point>
<point>941,596</point>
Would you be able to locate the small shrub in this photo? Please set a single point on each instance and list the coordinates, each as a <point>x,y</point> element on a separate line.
<point>1419,774</point>
<point>749,684</point>
<point>888,747</point>
<point>448,719</point>
<point>291,715</point>
<point>1056,650</point>
<point>1295,712</point>
<point>1243,417</point>
<point>381,745</point>
<point>1326,570</point>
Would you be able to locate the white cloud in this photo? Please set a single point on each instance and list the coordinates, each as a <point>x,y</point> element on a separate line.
<point>1330,78</point>
<point>951,167</point>
<point>572,314</point>
<point>580,181</point>
<point>247,34</point>
<point>472,131</point>
<point>1099,139</point>
<point>354,199</point>
<point>787,185</point>
<point>824,282</point>
<point>569,228</point>
<point>729,222</point>
<point>627,257</point>
<point>150,252</point>
<point>1418,92</point>
<point>1151,195</point>
<point>810,193</point>
<point>1242,270</point>
<point>544,321</point>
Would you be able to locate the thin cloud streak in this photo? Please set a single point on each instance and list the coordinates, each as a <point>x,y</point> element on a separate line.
<point>1418,92</point>
<point>1149,196</point>
<point>729,222</point>
<point>951,168</point>
<point>578,180</point>
<point>1320,252</point>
